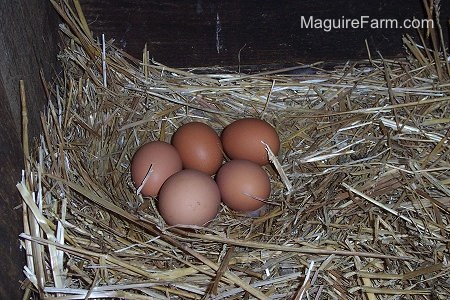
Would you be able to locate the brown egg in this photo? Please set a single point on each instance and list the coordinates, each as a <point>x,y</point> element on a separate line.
<point>242,140</point>
<point>199,147</point>
<point>243,185</point>
<point>189,197</point>
<point>158,160</point>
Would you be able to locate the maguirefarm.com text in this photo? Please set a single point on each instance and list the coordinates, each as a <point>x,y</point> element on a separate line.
<point>363,22</point>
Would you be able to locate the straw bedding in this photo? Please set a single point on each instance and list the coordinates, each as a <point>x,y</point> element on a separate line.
<point>361,187</point>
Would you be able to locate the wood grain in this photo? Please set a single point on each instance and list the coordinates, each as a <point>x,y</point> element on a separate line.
<point>28,43</point>
<point>200,33</point>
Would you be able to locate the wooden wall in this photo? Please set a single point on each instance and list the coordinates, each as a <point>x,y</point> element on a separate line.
<point>198,32</point>
<point>28,43</point>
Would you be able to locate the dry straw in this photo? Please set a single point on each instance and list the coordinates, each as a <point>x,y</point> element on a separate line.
<point>361,188</point>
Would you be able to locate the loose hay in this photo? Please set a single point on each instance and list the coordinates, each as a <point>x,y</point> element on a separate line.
<point>361,187</point>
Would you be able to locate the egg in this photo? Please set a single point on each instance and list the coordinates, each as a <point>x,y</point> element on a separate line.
<point>157,161</point>
<point>243,139</point>
<point>244,186</point>
<point>199,147</point>
<point>189,197</point>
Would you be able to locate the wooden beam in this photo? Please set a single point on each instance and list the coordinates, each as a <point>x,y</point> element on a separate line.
<point>28,43</point>
<point>205,33</point>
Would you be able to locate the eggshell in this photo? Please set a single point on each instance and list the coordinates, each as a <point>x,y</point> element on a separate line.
<point>199,147</point>
<point>161,159</point>
<point>189,197</point>
<point>242,140</point>
<point>243,185</point>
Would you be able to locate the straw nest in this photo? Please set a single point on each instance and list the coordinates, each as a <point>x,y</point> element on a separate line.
<point>361,187</point>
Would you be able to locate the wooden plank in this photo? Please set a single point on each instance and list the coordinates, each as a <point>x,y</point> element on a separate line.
<point>10,218</point>
<point>28,42</point>
<point>199,33</point>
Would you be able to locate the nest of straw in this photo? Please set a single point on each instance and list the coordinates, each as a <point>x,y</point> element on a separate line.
<point>361,187</point>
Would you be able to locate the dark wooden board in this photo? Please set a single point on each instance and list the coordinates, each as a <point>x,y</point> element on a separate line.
<point>203,33</point>
<point>28,43</point>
